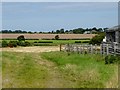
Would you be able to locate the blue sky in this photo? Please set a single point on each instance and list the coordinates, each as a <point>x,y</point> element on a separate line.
<point>48,16</point>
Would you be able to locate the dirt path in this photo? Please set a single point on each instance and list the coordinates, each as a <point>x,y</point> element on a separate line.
<point>32,49</point>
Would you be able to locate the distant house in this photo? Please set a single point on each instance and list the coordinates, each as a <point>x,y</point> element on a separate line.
<point>93,31</point>
<point>87,32</point>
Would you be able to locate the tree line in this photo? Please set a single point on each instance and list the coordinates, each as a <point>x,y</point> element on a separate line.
<point>93,30</point>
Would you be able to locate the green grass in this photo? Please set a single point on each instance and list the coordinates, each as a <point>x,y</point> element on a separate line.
<point>57,69</point>
<point>87,71</point>
<point>20,70</point>
<point>55,42</point>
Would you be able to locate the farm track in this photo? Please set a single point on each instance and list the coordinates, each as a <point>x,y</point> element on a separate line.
<point>36,49</point>
<point>54,78</point>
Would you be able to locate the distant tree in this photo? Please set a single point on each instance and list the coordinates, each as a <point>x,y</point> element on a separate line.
<point>40,32</point>
<point>52,31</point>
<point>57,31</point>
<point>21,38</point>
<point>56,37</point>
<point>62,30</point>
<point>30,32</point>
<point>86,29</point>
<point>94,28</point>
<point>99,29</point>
<point>66,31</point>
<point>24,31</point>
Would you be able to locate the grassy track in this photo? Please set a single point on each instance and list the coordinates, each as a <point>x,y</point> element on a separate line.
<point>21,70</point>
<point>57,69</point>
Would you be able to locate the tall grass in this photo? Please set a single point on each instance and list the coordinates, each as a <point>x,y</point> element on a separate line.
<point>85,70</point>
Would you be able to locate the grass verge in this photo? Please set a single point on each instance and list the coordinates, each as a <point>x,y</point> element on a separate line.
<point>84,70</point>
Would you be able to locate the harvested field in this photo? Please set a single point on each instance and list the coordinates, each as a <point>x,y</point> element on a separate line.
<point>48,36</point>
<point>32,49</point>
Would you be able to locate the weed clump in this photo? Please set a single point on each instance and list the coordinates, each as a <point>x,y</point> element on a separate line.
<point>109,59</point>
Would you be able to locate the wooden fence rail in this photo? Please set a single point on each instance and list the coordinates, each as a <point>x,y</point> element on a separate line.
<point>93,49</point>
<point>110,49</point>
<point>82,48</point>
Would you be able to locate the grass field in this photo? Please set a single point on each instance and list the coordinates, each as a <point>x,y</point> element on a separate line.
<point>55,42</point>
<point>57,69</point>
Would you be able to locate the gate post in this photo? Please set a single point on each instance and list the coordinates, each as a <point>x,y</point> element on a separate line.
<point>60,47</point>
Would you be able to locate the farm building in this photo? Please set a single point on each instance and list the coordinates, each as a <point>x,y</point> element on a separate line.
<point>111,43</point>
<point>113,35</point>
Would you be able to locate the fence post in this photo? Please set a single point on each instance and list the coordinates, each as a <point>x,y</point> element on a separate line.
<point>81,49</point>
<point>115,47</point>
<point>101,49</point>
<point>60,47</point>
<point>104,49</point>
<point>91,49</point>
<point>95,48</point>
<point>107,47</point>
<point>77,49</point>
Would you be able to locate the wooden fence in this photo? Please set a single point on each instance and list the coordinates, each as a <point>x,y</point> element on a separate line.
<point>110,49</point>
<point>82,48</point>
<point>93,49</point>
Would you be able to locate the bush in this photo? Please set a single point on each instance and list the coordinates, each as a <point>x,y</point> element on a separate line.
<point>56,37</point>
<point>45,42</point>
<point>27,43</point>
<point>21,38</point>
<point>77,41</point>
<point>85,41</point>
<point>4,43</point>
<point>111,59</point>
<point>35,42</point>
<point>12,44</point>
<point>21,43</point>
<point>97,39</point>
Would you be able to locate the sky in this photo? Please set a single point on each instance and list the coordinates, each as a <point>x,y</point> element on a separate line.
<point>48,16</point>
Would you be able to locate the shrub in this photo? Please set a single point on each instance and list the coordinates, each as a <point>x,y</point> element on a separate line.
<point>4,43</point>
<point>97,39</point>
<point>12,44</point>
<point>111,59</point>
<point>45,42</point>
<point>21,43</point>
<point>56,37</point>
<point>35,41</point>
<point>27,43</point>
<point>77,41</point>
<point>85,41</point>
<point>21,38</point>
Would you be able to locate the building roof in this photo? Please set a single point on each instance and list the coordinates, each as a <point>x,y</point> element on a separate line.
<point>115,28</point>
